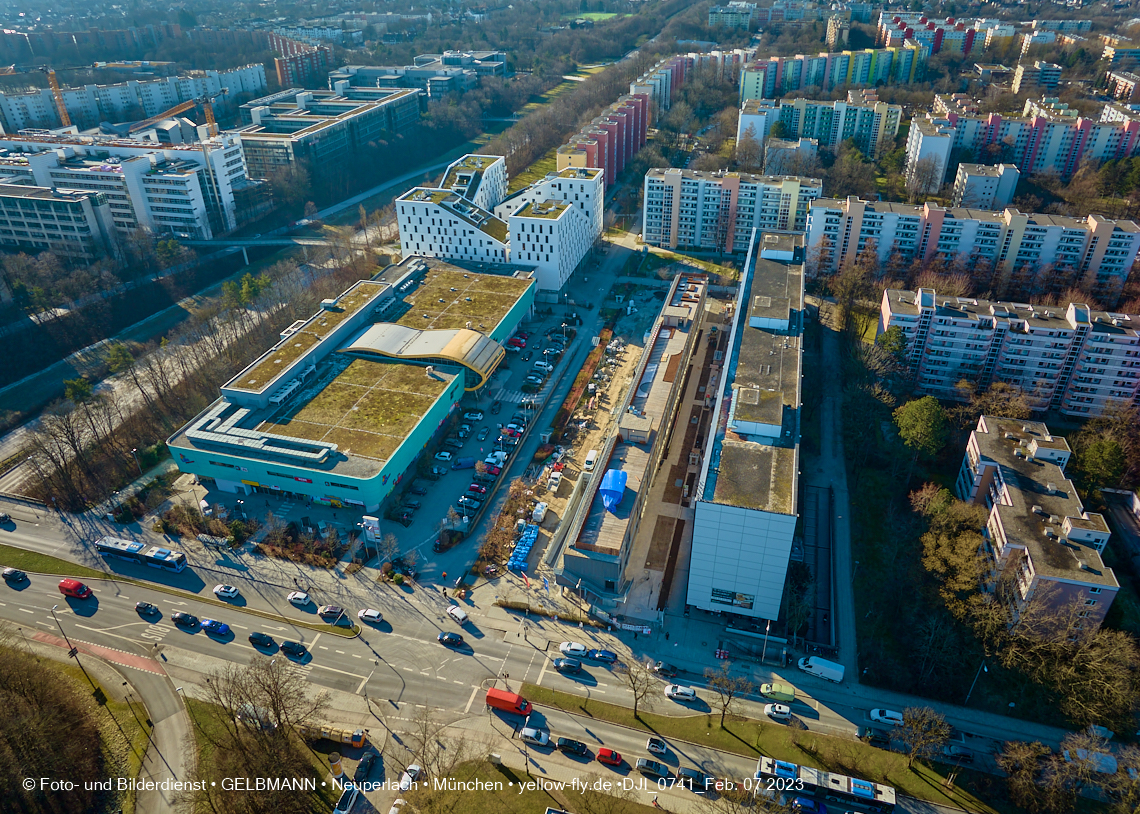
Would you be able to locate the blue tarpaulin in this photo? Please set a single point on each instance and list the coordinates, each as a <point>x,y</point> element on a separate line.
<point>613,488</point>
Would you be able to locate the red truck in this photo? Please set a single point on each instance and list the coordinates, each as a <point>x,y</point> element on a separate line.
<point>508,702</point>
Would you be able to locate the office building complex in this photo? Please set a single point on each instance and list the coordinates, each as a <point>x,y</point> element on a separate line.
<point>872,126</point>
<point>596,559</point>
<point>198,192</point>
<point>1071,359</point>
<point>1098,251</point>
<point>736,14</point>
<point>549,226</point>
<point>321,127</point>
<point>746,493</point>
<point>300,63</point>
<point>718,210</point>
<point>1041,539</point>
<point>978,186</point>
<point>126,101</point>
<point>611,139</point>
<point>1040,76</point>
<point>1053,141</point>
<point>436,74</point>
<point>74,225</point>
<point>341,409</point>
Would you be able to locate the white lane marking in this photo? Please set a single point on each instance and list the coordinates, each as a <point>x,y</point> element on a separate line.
<point>542,672</point>
<point>339,651</point>
<point>471,700</point>
<point>25,610</point>
<point>240,627</point>
<point>322,647</point>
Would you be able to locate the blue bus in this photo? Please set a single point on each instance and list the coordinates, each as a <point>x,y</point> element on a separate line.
<point>154,556</point>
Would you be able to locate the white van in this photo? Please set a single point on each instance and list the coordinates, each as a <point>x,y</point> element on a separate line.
<point>539,513</point>
<point>591,460</point>
<point>458,614</point>
<point>543,366</point>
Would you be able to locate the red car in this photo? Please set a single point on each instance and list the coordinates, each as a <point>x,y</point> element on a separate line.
<point>509,432</point>
<point>609,757</point>
<point>522,335</point>
<point>514,341</point>
<point>477,488</point>
<point>493,470</point>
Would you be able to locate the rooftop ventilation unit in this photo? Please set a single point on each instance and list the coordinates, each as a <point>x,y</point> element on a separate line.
<point>1054,519</point>
<point>1050,487</point>
<point>1038,510</point>
<point>1010,436</point>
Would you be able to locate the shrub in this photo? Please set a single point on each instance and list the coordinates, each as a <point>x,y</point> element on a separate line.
<point>398,579</point>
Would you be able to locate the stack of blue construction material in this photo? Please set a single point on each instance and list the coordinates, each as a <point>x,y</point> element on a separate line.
<point>529,535</point>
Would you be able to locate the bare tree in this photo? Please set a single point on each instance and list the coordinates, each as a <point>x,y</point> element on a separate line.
<point>640,681</point>
<point>284,693</point>
<point>1124,786</point>
<point>727,687</point>
<point>924,732</point>
<point>924,177</point>
<point>748,149</point>
<point>388,547</point>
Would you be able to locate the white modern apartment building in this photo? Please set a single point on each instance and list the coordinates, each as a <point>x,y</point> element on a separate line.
<point>581,187</point>
<point>1047,141</point>
<point>719,210</point>
<point>193,193</point>
<point>872,125</point>
<point>1045,76</point>
<point>979,186</point>
<point>1099,249</point>
<point>1038,534</point>
<point>549,226</point>
<point>1071,359</point>
<point>126,101</point>
<point>74,225</point>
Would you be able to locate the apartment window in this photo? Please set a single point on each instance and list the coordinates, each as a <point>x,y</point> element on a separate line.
<point>1089,603</point>
<point>1095,590</point>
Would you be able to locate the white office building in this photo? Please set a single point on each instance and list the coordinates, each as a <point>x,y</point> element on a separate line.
<point>193,193</point>
<point>582,187</point>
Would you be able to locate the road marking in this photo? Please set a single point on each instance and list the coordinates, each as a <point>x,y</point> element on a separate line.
<point>471,700</point>
<point>314,641</point>
<point>356,655</point>
<point>408,669</point>
<point>25,610</point>
<point>542,672</point>
<point>177,603</point>
<point>240,627</point>
<point>456,682</point>
<point>3,604</point>
<point>336,651</point>
<point>322,647</point>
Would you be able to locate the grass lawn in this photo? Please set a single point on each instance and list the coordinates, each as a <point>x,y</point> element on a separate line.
<point>207,727</point>
<point>753,738</point>
<point>513,799</point>
<point>12,557</point>
<point>596,16</point>
<point>124,740</point>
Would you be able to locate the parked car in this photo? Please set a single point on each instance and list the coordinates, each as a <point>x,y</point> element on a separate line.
<point>473,415</point>
<point>656,746</point>
<point>534,736</point>
<point>412,504</point>
<point>293,649</point>
<point>146,608</point>
<point>952,752</point>
<point>572,746</point>
<point>225,591</point>
<point>694,780</point>
<point>453,444</point>
<point>370,615</point>
<point>464,431</point>
<point>806,805</point>
<point>475,487</point>
<point>347,799</point>
<point>444,456</point>
<point>567,665</point>
<point>364,767</point>
<point>493,469</point>
<point>526,356</point>
<point>875,737</point>
<point>483,433</point>
<point>411,775</point>
<point>184,619</point>
<point>259,639</point>
<point>299,598</point>
<point>574,649</point>
<point>419,491</point>
<point>662,669</point>
<point>609,757</point>
<point>887,716</point>
<point>535,380</point>
<point>330,611</point>
<point>469,503</point>
<point>652,768</point>
<point>605,656</point>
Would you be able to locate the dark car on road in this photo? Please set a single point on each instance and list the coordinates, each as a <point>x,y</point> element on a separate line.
<point>567,665</point>
<point>145,608</point>
<point>184,619</point>
<point>572,746</point>
<point>694,780</point>
<point>604,656</point>
<point>330,611</point>
<point>293,649</point>
<point>364,768</point>
<point>875,737</point>
<point>662,669</point>
<point>496,406</point>
<point>259,639</point>
<point>14,575</point>
<point>418,490</point>
<point>450,639</point>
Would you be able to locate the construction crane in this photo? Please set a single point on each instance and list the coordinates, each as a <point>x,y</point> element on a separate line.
<point>205,102</point>
<point>58,95</point>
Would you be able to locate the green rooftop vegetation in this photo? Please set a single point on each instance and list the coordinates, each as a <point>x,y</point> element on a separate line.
<point>277,360</point>
<point>367,410</point>
<point>756,476</point>
<point>550,210</point>
<point>482,299</point>
<point>360,295</point>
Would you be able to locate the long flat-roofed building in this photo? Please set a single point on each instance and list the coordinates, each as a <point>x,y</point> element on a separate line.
<point>346,402</point>
<point>719,210</point>
<point>321,128</point>
<point>1098,251</point>
<point>1072,359</point>
<point>72,224</point>
<point>596,560</point>
<point>746,493</point>
<point>1038,534</point>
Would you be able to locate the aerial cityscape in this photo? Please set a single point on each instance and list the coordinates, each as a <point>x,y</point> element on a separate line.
<point>570,407</point>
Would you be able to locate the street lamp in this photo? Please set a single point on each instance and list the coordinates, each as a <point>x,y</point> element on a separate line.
<point>978,675</point>
<point>72,652</point>
<point>563,331</point>
<point>135,454</point>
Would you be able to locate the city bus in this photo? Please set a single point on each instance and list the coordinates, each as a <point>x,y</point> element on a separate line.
<point>781,777</point>
<point>154,556</point>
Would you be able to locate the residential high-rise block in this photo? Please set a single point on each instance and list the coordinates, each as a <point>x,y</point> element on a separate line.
<point>978,186</point>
